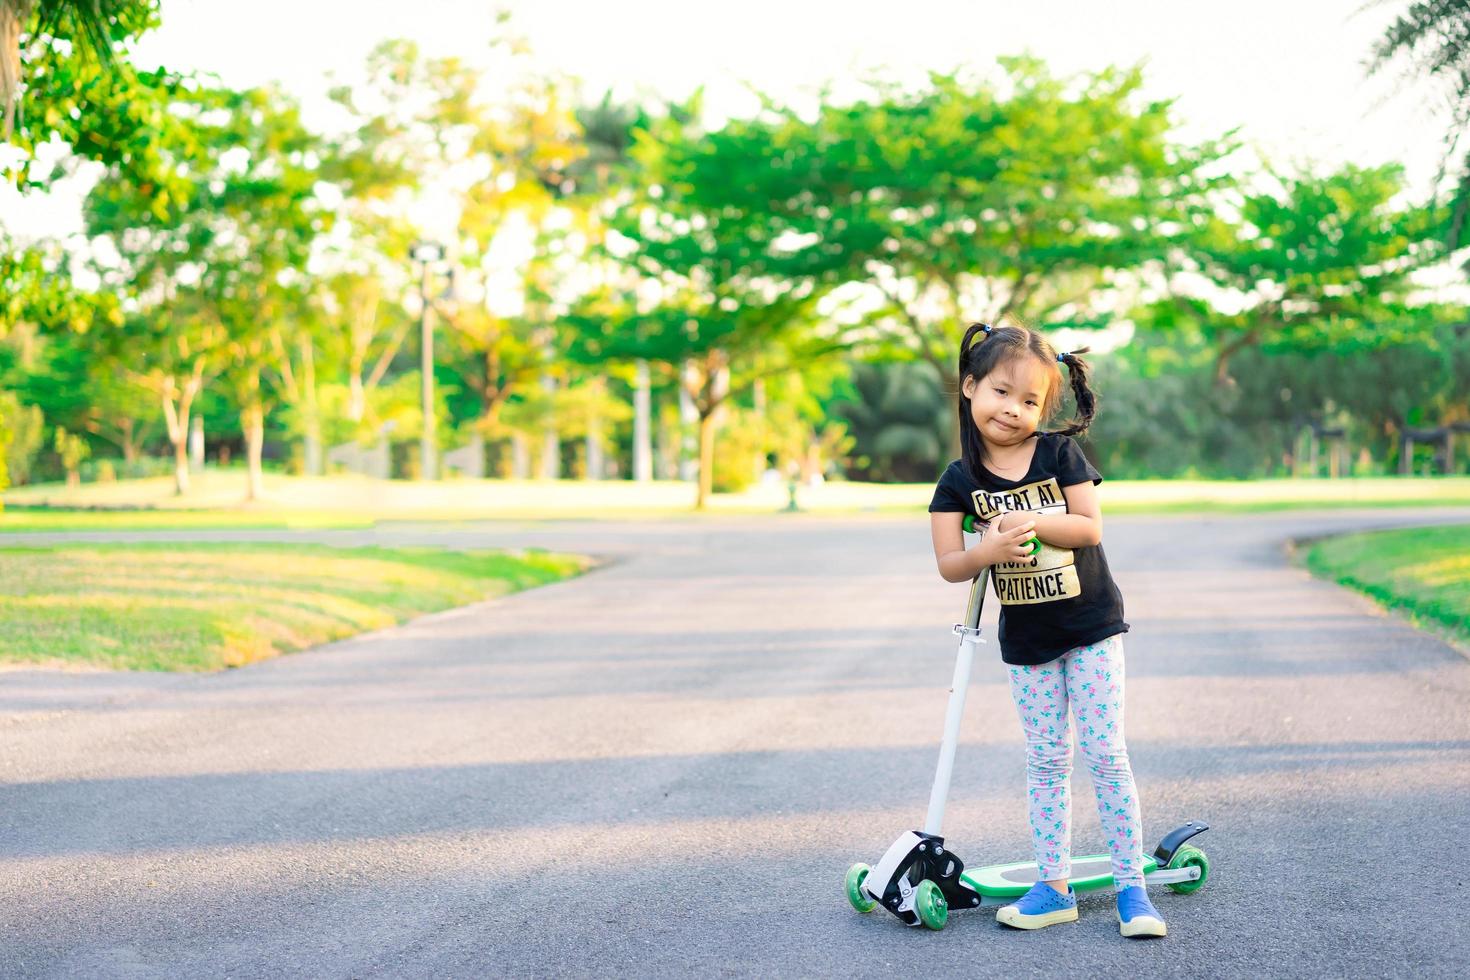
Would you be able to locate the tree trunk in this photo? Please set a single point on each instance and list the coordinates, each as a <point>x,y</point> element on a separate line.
<point>315,464</point>
<point>596,466</point>
<point>1222,360</point>
<point>253,422</point>
<point>688,421</point>
<point>176,419</point>
<point>642,436</point>
<point>665,463</point>
<point>129,442</point>
<point>520,457</point>
<point>196,444</point>
<point>181,467</point>
<point>550,441</point>
<point>314,461</point>
<point>356,395</point>
<point>706,459</point>
<point>13,17</point>
<point>595,462</point>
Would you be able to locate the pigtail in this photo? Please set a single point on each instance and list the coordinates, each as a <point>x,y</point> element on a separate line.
<point>968,341</point>
<point>972,447</point>
<point>1082,392</point>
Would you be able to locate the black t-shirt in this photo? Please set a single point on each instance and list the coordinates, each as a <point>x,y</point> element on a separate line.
<point>1059,598</point>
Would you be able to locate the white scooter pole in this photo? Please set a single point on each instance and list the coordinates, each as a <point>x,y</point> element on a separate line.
<point>969,633</point>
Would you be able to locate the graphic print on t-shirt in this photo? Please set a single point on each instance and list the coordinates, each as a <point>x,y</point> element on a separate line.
<point>1046,576</point>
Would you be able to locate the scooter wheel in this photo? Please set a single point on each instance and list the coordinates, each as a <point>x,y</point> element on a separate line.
<point>856,897</point>
<point>1189,856</point>
<point>930,905</point>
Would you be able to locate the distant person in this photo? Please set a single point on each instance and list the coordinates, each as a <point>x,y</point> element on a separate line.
<point>1061,620</point>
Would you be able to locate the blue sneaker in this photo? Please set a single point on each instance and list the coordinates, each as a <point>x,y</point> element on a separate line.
<point>1042,906</point>
<point>1137,917</point>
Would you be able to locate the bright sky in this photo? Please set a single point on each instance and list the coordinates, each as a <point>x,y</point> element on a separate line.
<point>1289,73</point>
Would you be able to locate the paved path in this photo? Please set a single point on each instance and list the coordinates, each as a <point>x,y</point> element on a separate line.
<point>665,767</point>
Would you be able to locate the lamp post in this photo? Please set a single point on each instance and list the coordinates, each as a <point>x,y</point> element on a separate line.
<point>425,253</point>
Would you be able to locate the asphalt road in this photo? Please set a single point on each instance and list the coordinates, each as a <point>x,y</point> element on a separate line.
<point>664,768</point>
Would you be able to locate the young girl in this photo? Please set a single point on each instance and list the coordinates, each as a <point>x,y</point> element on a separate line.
<point>1061,619</point>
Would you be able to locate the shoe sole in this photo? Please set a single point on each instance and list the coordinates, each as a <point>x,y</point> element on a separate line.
<point>1142,927</point>
<point>1009,916</point>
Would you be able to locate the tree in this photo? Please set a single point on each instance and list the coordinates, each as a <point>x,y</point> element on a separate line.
<point>738,286</point>
<point>36,288</point>
<point>899,417</point>
<point>603,178</point>
<point>69,377</point>
<point>1166,417</point>
<point>1315,264</point>
<point>71,449</point>
<point>64,75</point>
<point>425,124</point>
<point>217,273</point>
<point>1038,197</point>
<point>1432,40</point>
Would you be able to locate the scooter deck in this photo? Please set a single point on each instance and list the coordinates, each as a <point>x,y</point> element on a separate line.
<point>1014,880</point>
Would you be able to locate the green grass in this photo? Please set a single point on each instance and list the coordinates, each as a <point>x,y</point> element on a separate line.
<point>1424,572</point>
<point>60,520</point>
<point>216,500</point>
<point>203,607</point>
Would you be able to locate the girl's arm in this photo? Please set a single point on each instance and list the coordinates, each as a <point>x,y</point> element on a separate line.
<point>1080,527</point>
<point>958,565</point>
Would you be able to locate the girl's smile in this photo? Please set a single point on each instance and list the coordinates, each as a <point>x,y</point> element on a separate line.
<point>1006,404</point>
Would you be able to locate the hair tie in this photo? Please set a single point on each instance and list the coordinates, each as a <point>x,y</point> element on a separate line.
<point>1063,356</point>
<point>986,328</point>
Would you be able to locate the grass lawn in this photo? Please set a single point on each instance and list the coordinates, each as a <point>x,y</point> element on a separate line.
<point>1424,572</point>
<point>350,501</point>
<point>202,607</point>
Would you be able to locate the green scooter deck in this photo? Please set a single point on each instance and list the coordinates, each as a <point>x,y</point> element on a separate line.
<point>1014,880</point>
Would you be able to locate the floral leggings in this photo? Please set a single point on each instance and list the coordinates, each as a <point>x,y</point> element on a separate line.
<point>1091,679</point>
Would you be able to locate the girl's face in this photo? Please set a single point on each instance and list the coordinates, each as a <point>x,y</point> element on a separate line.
<point>1006,403</point>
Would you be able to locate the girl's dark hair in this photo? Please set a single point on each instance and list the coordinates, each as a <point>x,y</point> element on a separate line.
<point>984,348</point>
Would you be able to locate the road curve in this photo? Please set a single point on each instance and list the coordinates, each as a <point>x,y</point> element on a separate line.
<point>665,766</point>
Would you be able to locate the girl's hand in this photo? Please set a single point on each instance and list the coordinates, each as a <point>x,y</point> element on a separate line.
<point>1000,520</point>
<point>1012,545</point>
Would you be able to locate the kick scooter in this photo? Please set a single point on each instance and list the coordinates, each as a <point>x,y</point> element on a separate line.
<point>919,880</point>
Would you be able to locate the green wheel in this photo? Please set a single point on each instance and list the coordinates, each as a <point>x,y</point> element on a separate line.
<point>968,523</point>
<point>1189,856</point>
<point>929,903</point>
<point>856,897</point>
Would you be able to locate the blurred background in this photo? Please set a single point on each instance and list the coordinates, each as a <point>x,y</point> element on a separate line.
<point>283,252</point>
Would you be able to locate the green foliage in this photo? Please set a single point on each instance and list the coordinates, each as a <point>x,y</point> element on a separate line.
<point>71,449</point>
<point>720,255</point>
<point>705,223</point>
<point>1432,40</point>
<point>73,383</point>
<point>899,416</point>
<point>966,200</point>
<point>5,437</point>
<point>24,429</point>
<point>1162,413</point>
<point>737,294</point>
<point>1319,264</point>
<point>514,161</point>
<point>741,455</point>
<point>38,290</point>
<point>80,88</point>
<point>399,405</point>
